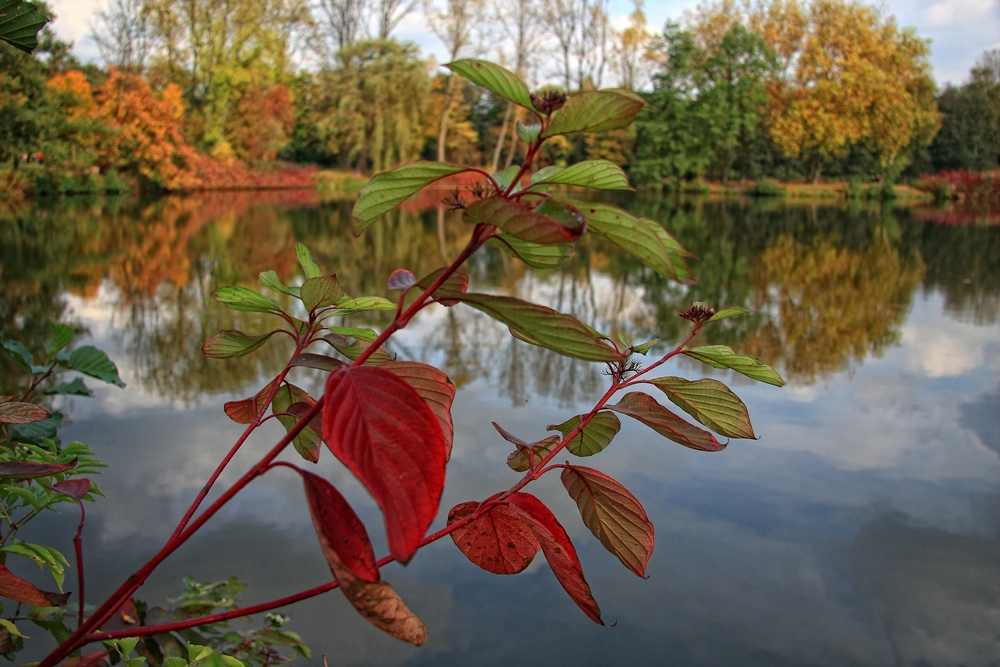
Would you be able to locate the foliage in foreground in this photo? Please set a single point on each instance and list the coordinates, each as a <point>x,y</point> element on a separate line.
<point>389,420</point>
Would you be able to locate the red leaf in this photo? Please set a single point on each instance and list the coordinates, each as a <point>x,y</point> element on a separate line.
<point>124,618</point>
<point>380,605</point>
<point>455,284</point>
<point>349,554</point>
<point>21,413</point>
<point>498,540</point>
<point>243,412</point>
<point>24,470</point>
<point>435,388</point>
<point>645,408</point>
<point>558,550</point>
<point>342,536</point>
<point>614,515</point>
<point>384,432</point>
<point>19,590</point>
<point>527,455</point>
<point>299,410</point>
<point>74,488</point>
<point>86,660</point>
<point>401,279</point>
<point>526,225</point>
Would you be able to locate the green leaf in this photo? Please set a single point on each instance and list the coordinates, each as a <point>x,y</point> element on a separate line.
<point>62,336</point>
<point>595,436</point>
<point>11,628</point>
<point>733,311</point>
<point>364,303</point>
<point>20,353</point>
<point>544,327</point>
<point>74,388</point>
<point>43,556</point>
<point>595,111</point>
<point>599,174</point>
<point>361,333</point>
<point>309,267</point>
<point>36,432</point>
<point>95,363</point>
<point>15,412</point>
<point>535,255</point>
<point>495,79</point>
<point>390,188</point>
<point>720,356</point>
<point>230,343</point>
<point>506,177</point>
<point>246,300</point>
<point>320,292</point>
<point>645,347</point>
<point>534,226</point>
<point>527,133</point>
<point>644,239</point>
<point>645,408</point>
<point>270,280</point>
<point>307,442</point>
<point>711,403</point>
<point>20,23</point>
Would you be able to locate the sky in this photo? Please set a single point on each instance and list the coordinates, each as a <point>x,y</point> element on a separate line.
<point>960,30</point>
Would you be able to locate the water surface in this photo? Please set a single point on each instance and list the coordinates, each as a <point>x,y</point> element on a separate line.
<point>861,528</point>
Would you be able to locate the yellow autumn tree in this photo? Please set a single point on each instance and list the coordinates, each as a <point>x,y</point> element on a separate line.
<point>855,76</point>
<point>846,74</point>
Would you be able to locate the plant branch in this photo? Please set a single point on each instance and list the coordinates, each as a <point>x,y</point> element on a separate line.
<point>78,548</point>
<point>134,582</point>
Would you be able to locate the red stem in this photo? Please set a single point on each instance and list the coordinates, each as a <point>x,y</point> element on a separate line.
<point>78,547</point>
<point>496,499</point>
<point>132,584</point>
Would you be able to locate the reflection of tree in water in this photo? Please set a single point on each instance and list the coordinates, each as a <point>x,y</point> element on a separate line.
<point>826,306</point>
<point>964,262</point>
<point>832,284</point>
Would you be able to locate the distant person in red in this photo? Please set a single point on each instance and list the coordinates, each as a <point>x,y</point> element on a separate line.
<point>39,157</point>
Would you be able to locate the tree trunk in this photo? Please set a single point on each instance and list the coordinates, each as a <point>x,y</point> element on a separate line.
<point>502,138</point>
<point>443,129</point>
<point>815,170</point>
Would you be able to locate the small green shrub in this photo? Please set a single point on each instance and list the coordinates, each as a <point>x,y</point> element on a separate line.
<point>766,188</point>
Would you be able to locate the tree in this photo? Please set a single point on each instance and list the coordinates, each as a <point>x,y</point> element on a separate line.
<point>672,134</point>
<point>389,13</point>
<point>856,76</point>
<point>520,20</point>
<point>970,125</point>
<point>733,93</point>
<point>124,34</point>
<point>342,21</point>
<point>211,48</point>
<point>376,106</point>
<point>455,27</point>
<point>631,50</point>
<point>147,138</point>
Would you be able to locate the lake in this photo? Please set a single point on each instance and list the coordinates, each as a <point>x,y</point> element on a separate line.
<point>861,528</point>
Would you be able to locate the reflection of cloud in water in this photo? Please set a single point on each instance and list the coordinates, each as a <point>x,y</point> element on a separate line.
<point>936,594</point>
<point>942,347</point>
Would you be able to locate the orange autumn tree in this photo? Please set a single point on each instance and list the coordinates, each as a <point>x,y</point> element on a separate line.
<point>260,124</point>
<point>146,136</point>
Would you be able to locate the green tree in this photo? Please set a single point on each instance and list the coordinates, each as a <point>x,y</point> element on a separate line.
<point>671,140</point>
<point>970,125</point>
<point>733,94</point>
<point>375,106</point>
